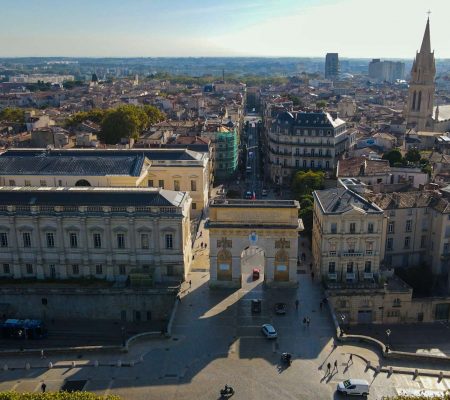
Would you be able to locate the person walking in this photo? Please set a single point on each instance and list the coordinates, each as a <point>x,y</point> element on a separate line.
<point>296,304</point>
<point>321,305</point>
<point>190,283</point>
<point>307,321</point>
<point>328,368</point>
<point>43,387</point>
<point>350,359</point>
<point>312,275</point>
<point>42,354</point>
<point>335,367</point>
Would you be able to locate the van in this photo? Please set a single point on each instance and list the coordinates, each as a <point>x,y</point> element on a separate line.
<point>358,387</point>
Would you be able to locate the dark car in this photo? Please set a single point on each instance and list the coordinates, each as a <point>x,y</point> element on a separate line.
<point>248,195</point>
<point>280,308</point>
<point>256,306</point>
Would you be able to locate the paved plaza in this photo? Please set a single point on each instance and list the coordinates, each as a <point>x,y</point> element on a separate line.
<point>216,340</point>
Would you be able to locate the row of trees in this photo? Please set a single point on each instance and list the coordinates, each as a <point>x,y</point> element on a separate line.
<point>303,184</point>
<point>12,115</point>
<point>412,157</point>
<point>126,121</point>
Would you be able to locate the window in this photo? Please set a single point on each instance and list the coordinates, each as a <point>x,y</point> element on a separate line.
<point>408,225</point>
<point>390,244</point>
<point>75,269</point>
<point>370,227</point>
<point>169,241</point>
<point>391,227</point>
<point>43,182</point>
<point>73,240</point>
<point>29,268</point>
<point>27,182</point>
<point>150,183</point>
<point>26,237</point>
<point>423,241</point>
<point>122,269</point>
<point>6,269</point>
<point>352,227</point>
<point>50,239</point>
<point>350,267</point>
<point>120,241</point>
<point>297,163</point>
<point>161,183</point>
<point>12,182</point>
<point>97,240</point>
<point>397,303</point>
<point>331,267</point>
<point>407,242</point>
<point>368,267</point>
<point>333,227</point>
<point>410,211</point>
<point>176,185</point>
<point>193,186</point>
<point>99,269</point>
<point>59,182</point>
<point>144,241</point>
<point>3,239</point>
<point>194,206</point>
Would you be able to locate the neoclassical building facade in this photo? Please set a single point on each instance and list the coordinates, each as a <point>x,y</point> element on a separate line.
<point>86,232</point>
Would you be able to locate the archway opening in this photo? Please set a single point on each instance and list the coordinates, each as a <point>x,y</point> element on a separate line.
<point>253,262</point>
<point>82,182</point>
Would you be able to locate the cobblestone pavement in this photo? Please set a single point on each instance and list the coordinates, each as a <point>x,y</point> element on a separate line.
<point>216,341</point>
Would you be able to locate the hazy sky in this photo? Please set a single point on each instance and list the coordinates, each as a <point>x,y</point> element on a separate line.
<point>354,28</point>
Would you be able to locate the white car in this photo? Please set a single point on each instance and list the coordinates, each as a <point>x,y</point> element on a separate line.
<point>269,331</point>
<point>358,387</point>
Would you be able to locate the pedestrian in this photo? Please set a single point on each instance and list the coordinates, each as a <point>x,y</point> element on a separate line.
<point>190,283</point>
<point>205,245</point>
<point>201,233</point>
<point>335,366</point>
<point>304,321</point>
<point>296,305</point>
<point>350,359</point>
<point>312,275</point>
<point>201,245</point>
<point>42,354</point>
<point>310,266</point>
<point>328,368</point>
<point>193,256</point>
<point>320,305</point>
<point>307,321</point>
<point>43,387</point>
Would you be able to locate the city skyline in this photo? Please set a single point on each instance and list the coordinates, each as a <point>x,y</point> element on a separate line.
<point>202,28</point>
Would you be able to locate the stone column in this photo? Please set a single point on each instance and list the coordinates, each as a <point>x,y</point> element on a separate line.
<point>86,256</point>
<point>132,235</point>
<point>15,240</point>
<point>61,271</point>
<point>39,268</point>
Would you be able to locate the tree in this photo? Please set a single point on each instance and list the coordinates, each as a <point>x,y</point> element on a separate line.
<point>306,201</point>
<point>321,104</point>
<point>306,214</point>
<point>413,156</point>
<point>304,183</point>
<point>154,115</point>
<point>123,122</point>
<point>12,115</point>
<point>393,156</point>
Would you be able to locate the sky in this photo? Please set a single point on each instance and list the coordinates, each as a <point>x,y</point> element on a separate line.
<point>193,28</point>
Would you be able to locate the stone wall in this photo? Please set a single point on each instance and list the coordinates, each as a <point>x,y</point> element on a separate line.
<point>77,303</point>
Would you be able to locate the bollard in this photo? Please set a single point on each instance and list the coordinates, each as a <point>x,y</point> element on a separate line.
<point>27,366</point>
<point>391,370</point>
<point>96,363</point>
<point>73,364</point>
<point>5,367</point>
<point>416,373</point>
<point>50,365</point>
<point>119,363</point>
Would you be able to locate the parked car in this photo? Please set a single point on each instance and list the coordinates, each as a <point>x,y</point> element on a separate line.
<point>280,308</point>
<point>358,387</point>
<point>256,273</point>
<point>269,331</point>
<point>248,195</point>
<point>256,306</point>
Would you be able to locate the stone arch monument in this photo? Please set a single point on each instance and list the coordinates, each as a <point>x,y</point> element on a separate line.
<point>236,225</point>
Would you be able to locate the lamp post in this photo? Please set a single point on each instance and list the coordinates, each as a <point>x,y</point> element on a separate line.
<point>388,333</point>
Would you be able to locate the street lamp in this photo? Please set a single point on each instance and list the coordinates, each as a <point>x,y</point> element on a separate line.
<point>388,333</point>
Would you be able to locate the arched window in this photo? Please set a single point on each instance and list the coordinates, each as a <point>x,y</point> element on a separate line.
<point>397,302</point>
<point>414,101</point>
<point>420,101</point>
<point>82,182</point>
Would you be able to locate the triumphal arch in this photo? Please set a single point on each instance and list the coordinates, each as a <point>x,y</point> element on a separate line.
<point>262,232</point>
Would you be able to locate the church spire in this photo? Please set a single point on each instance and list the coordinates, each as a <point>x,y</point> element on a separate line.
<point>426,41</point>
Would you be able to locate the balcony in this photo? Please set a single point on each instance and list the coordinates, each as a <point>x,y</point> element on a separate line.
<point>368,275</point>
<point>350,276</point>
<point>369,252</point>
<point>332,253</point>
<point>352,254</point>
<point>332,276</point>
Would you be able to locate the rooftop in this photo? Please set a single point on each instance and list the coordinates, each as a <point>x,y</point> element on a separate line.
<point>230,203</point>
<point>90,196</point>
